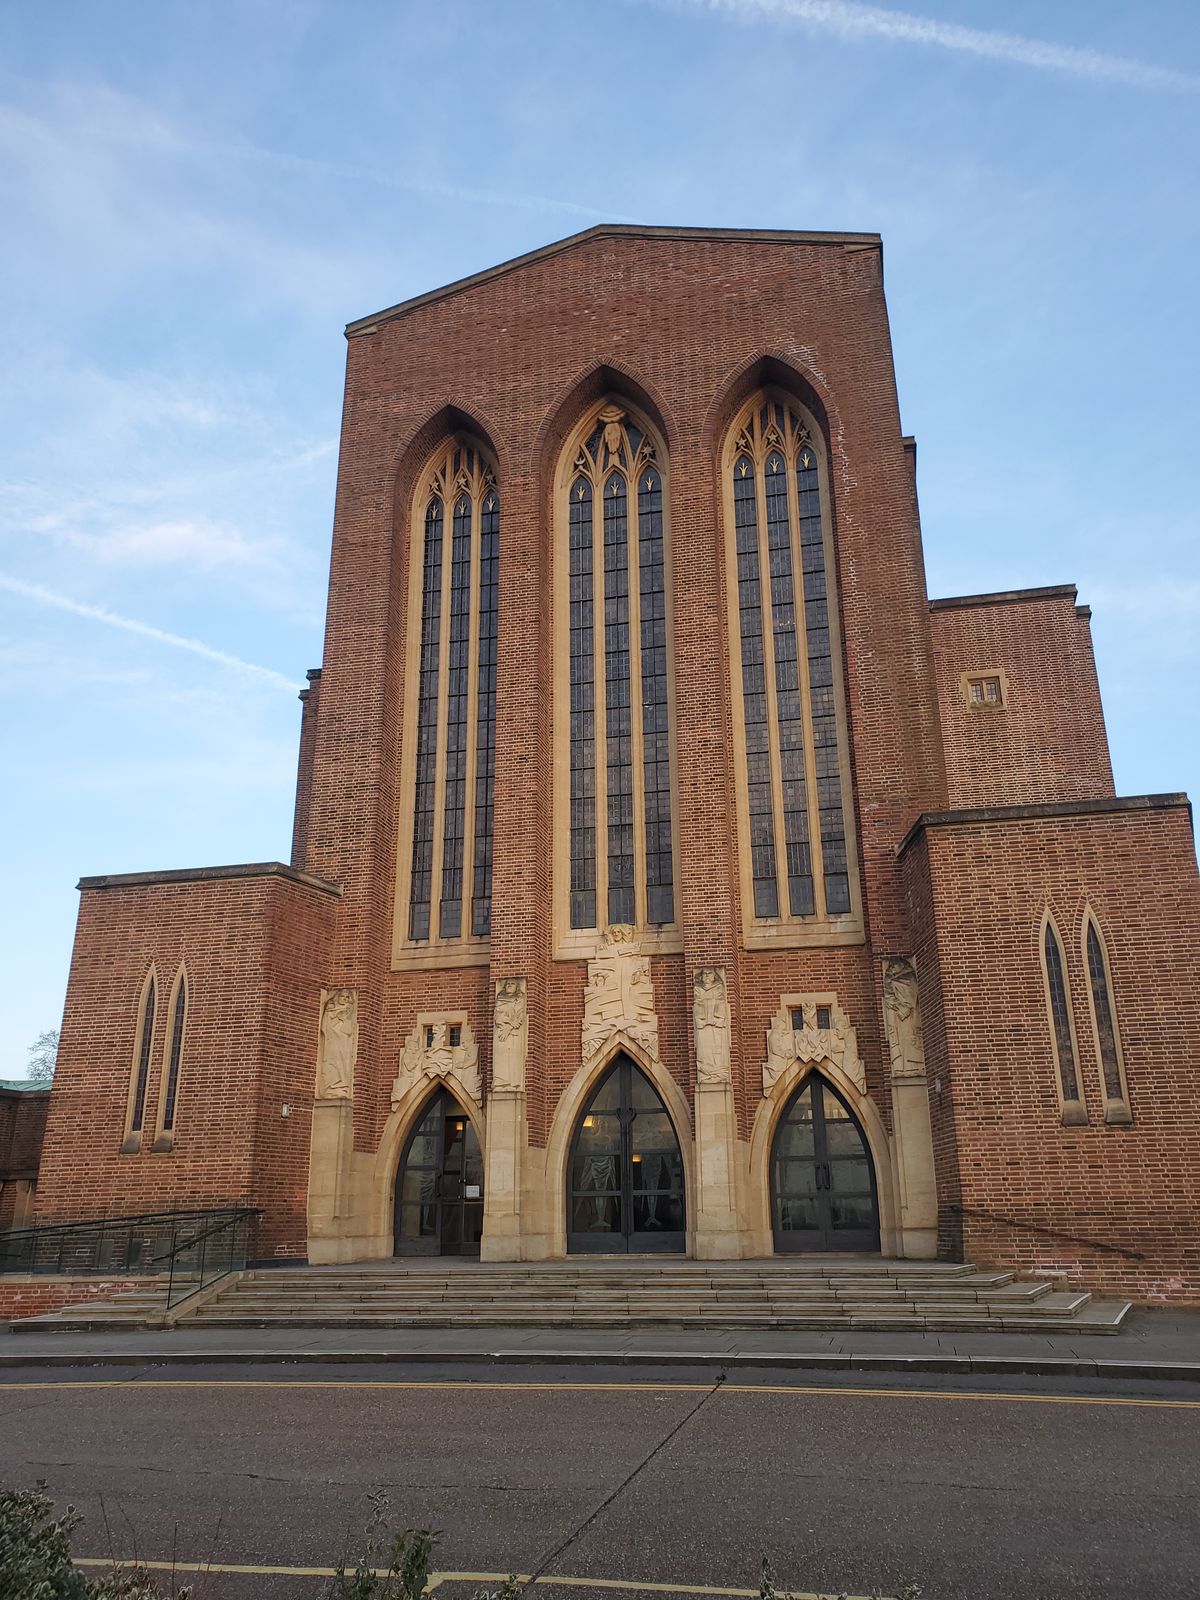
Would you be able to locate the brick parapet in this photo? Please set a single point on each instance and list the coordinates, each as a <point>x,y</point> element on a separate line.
<point>1048,741</point>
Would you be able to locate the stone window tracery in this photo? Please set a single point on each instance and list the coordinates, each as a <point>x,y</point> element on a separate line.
<point>614,656</point>
<point>452,716</point>
<point>794,795</point>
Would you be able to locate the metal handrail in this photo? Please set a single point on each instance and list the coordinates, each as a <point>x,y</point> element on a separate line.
<point>103,1222</point>
<point>125,1245</point>
<point>1049,1233</point>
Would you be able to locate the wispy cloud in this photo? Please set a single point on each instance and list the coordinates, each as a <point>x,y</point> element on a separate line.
<point>189,542</point>
<point>51,597</point>
<point>848,20</point>
<point>283,160</point>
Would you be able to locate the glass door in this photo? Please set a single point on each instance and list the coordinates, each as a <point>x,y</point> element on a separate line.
<point>822,1176</point>
<point>439,1185</point>
<point>625,1179</point>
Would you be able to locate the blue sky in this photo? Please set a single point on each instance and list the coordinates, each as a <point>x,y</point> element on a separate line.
<point>197,198</point>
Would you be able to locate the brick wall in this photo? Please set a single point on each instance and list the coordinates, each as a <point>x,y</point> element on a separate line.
<point>22,1128</point>
<point>1048,741</point>
<point>1116,1207</point>
<point>27,1296</point>
<point>254,941</point>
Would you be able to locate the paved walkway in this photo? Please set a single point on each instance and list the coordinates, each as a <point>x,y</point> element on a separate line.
<point>1152,1343</point>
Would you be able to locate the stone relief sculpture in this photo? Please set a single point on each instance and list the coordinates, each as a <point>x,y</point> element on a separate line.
<point>787,1043</point>
<point>619,997</point>
<point>428,1053</point>
<point>902,1014</point>
<point>510,1034</point>
<point>338,1045</point>
<point>710,1021</point>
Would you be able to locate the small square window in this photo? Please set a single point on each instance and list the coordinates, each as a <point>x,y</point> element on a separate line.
<point>984,691</point>
<point>455,1035</point>
<point>797,1017</point>
<point>823,1018</point>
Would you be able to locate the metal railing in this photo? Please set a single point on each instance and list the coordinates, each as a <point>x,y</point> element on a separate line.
<point>1021,1226</point>
<point>190,1248</point>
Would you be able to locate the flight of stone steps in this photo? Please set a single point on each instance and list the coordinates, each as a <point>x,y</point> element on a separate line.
<point>832,1293</point>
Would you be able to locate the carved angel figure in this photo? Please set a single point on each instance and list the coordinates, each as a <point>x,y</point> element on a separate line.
<point>510,1034</point>
<point>339,1028</point>
<point>710,1020</point>
<point>902,1013</point>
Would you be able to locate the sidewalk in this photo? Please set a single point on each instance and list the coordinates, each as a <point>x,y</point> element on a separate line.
<point>1154,1344</point>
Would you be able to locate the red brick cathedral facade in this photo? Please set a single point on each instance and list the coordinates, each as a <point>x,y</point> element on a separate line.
<point>670,873</point>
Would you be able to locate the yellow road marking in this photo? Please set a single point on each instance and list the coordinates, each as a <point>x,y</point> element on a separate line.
<point>247,1569</point>
<point>466,1385</point>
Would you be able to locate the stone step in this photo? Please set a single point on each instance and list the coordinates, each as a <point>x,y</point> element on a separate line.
<point>829,1295</point>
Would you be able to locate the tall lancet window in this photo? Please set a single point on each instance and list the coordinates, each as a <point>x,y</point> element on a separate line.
<point>798,850</point>
<point>445,900</point>
<point>616,851</point>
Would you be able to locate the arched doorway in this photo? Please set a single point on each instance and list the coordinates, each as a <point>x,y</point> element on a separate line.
<point>439,1184</point>
<point>823,1194</point>
<point>625,1175</point>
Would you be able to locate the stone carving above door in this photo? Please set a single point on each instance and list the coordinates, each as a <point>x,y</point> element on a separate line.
<point>812,1028</point>
<point>510,1034</point>
<point>430,1053</point>
<point>619,997</point>
<point>338,1047</point>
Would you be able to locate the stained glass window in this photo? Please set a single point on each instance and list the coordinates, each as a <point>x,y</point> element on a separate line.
<point>621,857</point>
<point>179,1013</point>
<point>797,766</point>
<point>1060,1016</point>
<point>455,712</point>
<point>138,1114</point>
<point>1106,1030</point>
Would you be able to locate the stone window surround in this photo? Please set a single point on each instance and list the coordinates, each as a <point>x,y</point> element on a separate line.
<point>1117,1113</point>
<point>574,944</point>
<point>132,1139</point>
<point>164,1137</point>
<point>465,950</point>
<point>1072,1113</point>
<point>785,931</point>
<point>966,679</point>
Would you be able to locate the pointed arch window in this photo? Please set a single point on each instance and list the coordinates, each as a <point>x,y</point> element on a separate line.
<point>135,1112</point>
<point>1062,1025</point>
<point>1105,1032</point>
<point>613,681</point>
<point>177,1008</point>
<point>445,890</point>
<point>799,875</point>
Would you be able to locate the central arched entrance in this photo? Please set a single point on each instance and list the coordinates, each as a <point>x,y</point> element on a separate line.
<point>823,1194</point>
<point>625,1177</point>
<point>439,1184</point>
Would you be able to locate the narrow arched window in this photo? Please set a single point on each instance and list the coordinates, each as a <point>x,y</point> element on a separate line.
<point>135,1114</point>
<point>612,679</point>
<point>1062,1025</point>
<point>176,1023</point>
<point>789,710</point>
<point>1104,1023</point>
<point>446,872</point>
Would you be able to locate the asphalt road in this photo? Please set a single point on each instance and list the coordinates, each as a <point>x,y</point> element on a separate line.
<point>1005,1493</point>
